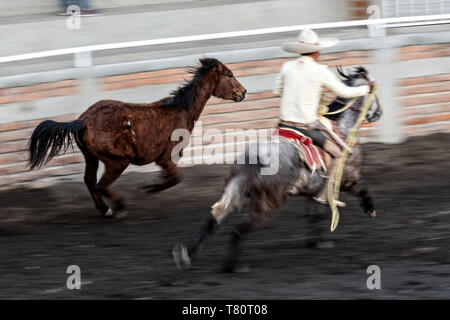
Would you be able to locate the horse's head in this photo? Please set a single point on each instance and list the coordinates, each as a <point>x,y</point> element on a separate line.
<point>226,86</point>
<point>358,77</point>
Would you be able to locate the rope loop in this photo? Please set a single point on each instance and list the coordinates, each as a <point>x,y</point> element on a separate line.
<point>335,182</point>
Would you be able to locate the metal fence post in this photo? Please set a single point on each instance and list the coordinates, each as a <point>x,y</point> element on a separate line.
<point>390,128</point>
<point>89,88</point>
<point>82,59</point>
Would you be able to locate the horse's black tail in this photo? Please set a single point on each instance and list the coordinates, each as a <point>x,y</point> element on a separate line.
<point>54,136</point>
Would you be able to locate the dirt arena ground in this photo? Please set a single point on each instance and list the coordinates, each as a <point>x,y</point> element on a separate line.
<point>44,231</point>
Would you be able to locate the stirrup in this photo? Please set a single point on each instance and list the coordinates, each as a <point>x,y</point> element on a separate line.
<point>325,202</point>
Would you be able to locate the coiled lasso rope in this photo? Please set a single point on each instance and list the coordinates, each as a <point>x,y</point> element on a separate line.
<point>352,137</point>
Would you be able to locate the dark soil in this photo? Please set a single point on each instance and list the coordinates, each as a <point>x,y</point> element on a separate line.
<point>43,231</point>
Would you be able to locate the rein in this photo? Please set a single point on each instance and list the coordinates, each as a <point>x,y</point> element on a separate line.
<point>345,107</point>
<point>352,137</point>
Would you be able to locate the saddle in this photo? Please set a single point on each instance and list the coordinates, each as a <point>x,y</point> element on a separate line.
<point>311,154</point>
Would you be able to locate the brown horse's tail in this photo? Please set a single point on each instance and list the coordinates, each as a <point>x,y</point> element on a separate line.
<point>54,136</point>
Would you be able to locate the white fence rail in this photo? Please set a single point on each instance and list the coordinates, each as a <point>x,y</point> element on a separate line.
<point>83,54</point>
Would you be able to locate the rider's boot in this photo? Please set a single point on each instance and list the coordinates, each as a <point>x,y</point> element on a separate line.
<point>322,196</point>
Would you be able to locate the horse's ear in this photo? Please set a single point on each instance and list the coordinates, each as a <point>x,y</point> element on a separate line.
<point>210,63</point>
<point>341,72</point>
<point>362,71</point>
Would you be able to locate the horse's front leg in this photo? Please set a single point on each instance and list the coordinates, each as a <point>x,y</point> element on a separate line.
<point>171,177</point>
<point>359,190</point>
<point>314,218</point>
<point>113,170</point>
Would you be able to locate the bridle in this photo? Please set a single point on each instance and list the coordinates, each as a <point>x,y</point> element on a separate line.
<point>350,105</point>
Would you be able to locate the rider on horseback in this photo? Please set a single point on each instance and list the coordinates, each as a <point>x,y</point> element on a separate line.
<point>300,84</point>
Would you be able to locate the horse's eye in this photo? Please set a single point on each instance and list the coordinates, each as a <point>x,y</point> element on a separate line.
<point>230,75</point>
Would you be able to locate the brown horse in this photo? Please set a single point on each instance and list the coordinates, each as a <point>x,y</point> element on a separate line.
<point>119,133</point>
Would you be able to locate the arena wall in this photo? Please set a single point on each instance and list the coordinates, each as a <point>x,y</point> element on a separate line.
<point>421,102</point>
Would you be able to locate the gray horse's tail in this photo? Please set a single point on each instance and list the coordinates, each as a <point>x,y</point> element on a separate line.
<point>270,189</point>
<point>232,197</point>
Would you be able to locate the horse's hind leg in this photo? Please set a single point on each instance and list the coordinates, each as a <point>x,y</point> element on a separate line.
<point>263,205</point>
<point>234,251</point>
<point>208,229</point>
<point>231,198</point>
<point>183,255</point>
<point>171,177</point>
<point>113,170</point>
<point>90,179</point>
<point>362,192</point>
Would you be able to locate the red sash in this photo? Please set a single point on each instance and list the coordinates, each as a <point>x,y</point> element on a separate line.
<point>312,156</point>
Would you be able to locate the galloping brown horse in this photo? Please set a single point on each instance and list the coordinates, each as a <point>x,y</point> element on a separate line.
<point>119,133</point>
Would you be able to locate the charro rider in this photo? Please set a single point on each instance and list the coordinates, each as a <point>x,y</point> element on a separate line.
<point>300,84</point>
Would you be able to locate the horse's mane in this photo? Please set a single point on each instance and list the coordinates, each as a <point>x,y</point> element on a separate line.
<point>183,97</point>
<point>348,79</point>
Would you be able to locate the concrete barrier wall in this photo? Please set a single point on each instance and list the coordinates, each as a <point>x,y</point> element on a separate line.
<point>337,8</point>
<point>420,73</point>
<point>27,7</point>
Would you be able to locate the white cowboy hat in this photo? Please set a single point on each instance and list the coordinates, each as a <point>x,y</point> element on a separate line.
<point>309,41</point>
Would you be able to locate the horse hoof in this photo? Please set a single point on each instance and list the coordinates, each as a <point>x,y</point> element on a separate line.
<point>150,189</point>
<point>372,214</point>
<point>325,245</point>
<point>238,269</point>
<point>154,188</point>
<point>109,213</point>
<point>181,256</point>
<point>320,244</point>
<point>121,214</point>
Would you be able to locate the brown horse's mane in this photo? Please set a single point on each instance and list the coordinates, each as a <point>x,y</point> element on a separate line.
<point>183,97</point>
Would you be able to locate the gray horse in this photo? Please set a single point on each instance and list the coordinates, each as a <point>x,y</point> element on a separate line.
<point>267,192</point>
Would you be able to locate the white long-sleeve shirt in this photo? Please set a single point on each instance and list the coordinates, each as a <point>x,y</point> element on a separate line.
<point>300,83</point>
